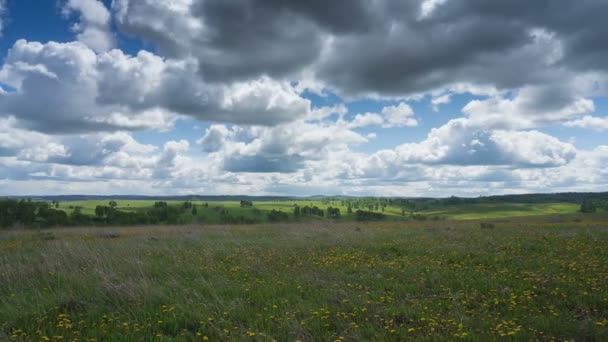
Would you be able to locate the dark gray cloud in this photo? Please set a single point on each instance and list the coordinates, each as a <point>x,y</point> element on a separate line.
<point>273,40</point>
<point>388,48</point>
<point>236,40</point>
<point>580,25</point>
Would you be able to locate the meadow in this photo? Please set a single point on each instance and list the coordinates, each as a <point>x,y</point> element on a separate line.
<point>211,215</point>
<point>520,278</point>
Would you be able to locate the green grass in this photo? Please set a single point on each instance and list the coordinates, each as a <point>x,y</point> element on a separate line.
<point>530,278</point>
<point>458,212</point>
<point>502,210</point>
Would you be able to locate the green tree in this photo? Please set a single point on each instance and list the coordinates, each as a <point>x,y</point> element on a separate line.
<point>588,207</point>
<point>333,212</point>
<point>100,211</point>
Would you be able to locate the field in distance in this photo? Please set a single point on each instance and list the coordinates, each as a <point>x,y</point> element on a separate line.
<point>209,211</point>
<point>527,278</point>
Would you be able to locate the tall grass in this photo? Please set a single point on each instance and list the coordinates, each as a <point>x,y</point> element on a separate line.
<point>525,279</point>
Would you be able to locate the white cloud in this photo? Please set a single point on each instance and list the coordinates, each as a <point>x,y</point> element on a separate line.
<point>112,90</point>
<point>533,148</point>
<point>590,122</point>
<point>68,108</point>
<point>94,26</point>
<point>262,101</point>
<point>89,149</point>
<point>400,115</point>
<point>366,119</point>
<point>530,107</point>
<point>215,138</point>
<point>283,148</point>
<point>440,100</point>
<point>428,6</point>
<point>170,158</point>
<point>459,142</point>
<point>323,112</point>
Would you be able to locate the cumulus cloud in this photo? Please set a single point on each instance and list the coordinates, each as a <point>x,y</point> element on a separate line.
<point>366,119</point>
<point>440,100</point>
<point>283,148</point>
<point>530,107</point>
<point>215,138</point>
<point>383,49</point>
<point>461,142</point>
<point>55,88</point>
<point>88,149</point>
<point>26,144</point>
<point>400,115</point>
<point>170,158</point>
<point>532,148</point>
<point>590,122</point>
<point>247,70</point>
<point>220,34</point>
<point>93,29</point>
<point>112,90</point>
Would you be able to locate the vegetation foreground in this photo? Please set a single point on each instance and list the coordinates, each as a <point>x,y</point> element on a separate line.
<point>537,278</point>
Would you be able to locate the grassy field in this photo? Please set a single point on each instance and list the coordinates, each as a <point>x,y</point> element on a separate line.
<point>457,212</point>
<point>503,210</point>
<point>529,278</point>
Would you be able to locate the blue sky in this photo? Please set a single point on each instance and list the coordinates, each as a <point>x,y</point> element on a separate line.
<point>423,98</point>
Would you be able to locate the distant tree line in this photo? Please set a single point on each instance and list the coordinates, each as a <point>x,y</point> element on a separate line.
<point>36,213</point>
<point>30,213</point>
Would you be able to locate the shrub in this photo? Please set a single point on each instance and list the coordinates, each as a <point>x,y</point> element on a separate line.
<point>277,215</point>
<point>486,225</point>
<point>369,216</point>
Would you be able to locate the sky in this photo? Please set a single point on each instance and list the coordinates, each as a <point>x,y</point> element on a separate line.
<point>288,97</point>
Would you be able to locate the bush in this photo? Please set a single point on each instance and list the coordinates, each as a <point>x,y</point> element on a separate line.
<point>277,215</point>
<point>369,216</point>
<point>486,225</point>
<point>314,211</point>
<point>333,213</point>
<point>419,217</point>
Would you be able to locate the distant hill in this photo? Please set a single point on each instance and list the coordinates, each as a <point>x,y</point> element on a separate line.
<point>568,197</point>
<point>163,198</point>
